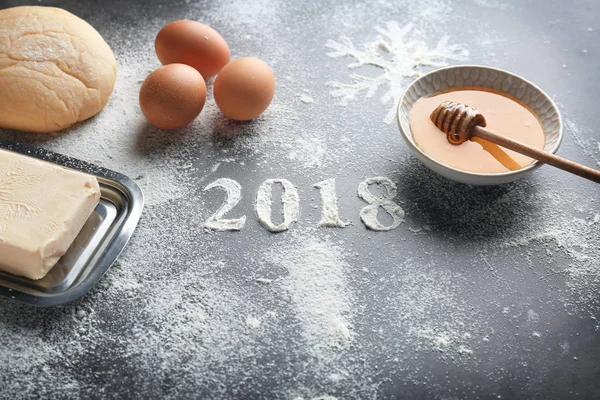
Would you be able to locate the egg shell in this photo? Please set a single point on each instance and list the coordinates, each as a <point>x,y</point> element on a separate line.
<point>244,88</point>
<point>172,96</point>
<point>194,44</point>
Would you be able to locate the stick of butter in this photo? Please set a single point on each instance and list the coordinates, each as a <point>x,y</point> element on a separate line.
<point>42,209</point>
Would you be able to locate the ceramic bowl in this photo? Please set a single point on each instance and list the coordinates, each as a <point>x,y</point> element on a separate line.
<point>480,76</point>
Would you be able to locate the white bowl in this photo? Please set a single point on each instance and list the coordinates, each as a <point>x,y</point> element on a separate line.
<point>487,77</point>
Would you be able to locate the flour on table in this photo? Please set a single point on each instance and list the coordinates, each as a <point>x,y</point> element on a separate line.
<point>580,137</point>
<point>343,316</point>
<point>264,281</point>
<point>317,398</point>
<point>318,286</point>
<point>491,4</point>
<point>290,201</point>
<point>400,57</point>
<point>31,352</point>
<point>427,291</point>
<point>240,14</point>
<point>464,350</point>
<point>252,322</point>
<point>330,216</point>
<point>368,214</point>
<point>234,194</point>
<point>310,151</point>
<point>306,99</point>
<point>272,138</point>
<point>532,317</point>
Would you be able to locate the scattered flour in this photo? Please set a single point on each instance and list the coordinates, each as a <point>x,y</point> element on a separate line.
<point>185,306</point>
<point>311,152</point>
<point>400,58</point>
<point>290,201</point>
<point>492,4</point>
<point>532,317</point>
<point>582,138</point>
<point>330,217</point>
<point>252,322</point>
<point>369,214</point>
<point>306,99</point>
<point>317,284</point>
<point>264,281</point>
<point>216,222</point>
<point>244,14</point>
<point>430,292</point>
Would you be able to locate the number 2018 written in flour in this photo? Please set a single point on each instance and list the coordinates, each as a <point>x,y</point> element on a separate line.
<point>291,205</point>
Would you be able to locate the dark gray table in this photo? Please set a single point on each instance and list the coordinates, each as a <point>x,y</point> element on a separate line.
<point>483,292</point>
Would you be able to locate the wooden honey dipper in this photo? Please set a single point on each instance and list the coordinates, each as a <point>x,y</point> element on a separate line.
<point>460,123</point>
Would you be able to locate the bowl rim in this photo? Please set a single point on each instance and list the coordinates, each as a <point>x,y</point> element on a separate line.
<point>481,175</point>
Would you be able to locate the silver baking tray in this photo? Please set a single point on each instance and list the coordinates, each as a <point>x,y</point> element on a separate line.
<point>101,240</point>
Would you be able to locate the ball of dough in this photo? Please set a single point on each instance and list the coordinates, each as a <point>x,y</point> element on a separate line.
<point>55,69</point>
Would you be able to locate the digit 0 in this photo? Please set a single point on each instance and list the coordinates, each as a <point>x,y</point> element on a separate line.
<point>290,201</point>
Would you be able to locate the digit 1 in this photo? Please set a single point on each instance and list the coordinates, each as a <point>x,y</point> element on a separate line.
<point>330,216</point>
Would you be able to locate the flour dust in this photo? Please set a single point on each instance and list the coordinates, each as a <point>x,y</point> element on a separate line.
<point>398,56</point>
<point>317,284</point>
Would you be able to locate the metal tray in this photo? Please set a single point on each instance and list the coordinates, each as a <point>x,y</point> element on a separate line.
<point>101,240</point>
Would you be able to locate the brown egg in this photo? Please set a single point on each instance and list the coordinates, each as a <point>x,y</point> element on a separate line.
<point>172,96</point>
<point>244,88</point>
<point>193,44</point>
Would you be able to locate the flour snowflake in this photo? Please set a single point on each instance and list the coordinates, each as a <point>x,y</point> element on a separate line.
<point>400,57</point>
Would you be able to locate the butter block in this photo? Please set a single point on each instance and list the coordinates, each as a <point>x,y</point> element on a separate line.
<point>42,209</point>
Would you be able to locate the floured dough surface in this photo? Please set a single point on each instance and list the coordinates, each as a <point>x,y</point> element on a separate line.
<point>55,69</point>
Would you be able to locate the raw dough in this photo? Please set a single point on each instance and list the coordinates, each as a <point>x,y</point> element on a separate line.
<point>55,69</point>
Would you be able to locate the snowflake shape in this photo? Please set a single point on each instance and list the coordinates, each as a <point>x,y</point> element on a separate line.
<point>399,57</point>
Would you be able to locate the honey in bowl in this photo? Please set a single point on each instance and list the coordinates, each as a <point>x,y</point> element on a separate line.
<point>504,115</point>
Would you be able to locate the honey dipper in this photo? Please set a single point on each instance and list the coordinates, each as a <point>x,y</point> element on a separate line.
<point>460,123</point>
